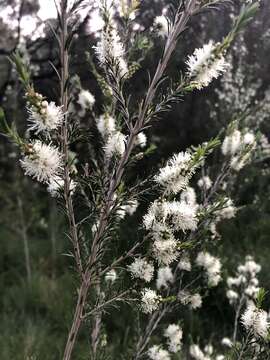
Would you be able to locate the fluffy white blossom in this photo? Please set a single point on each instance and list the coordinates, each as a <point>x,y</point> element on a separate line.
<point>157,353</point>
<point>174,177</point>
<point>42,162</point>
<point>164,277</point>
<point>174,335</point>
<point>46,118</point>
<point>227,342</point>
<point>141,269</point>
<point>183,215</point>
<point>205,65</point>
<point>57,183</point>
<point>184,264</point>
<point>149,301</point>
<point>228,211</point>
<point>212,267</point>
<point>86,100</point>
<point>165,251</point>
<point>106,125</point>
<point>245,281</point>
<point>161,23</point>
<point>115,145</point>
<point>256,321</point>
<point>195,301</point>
<point>189,196</point>
<point>141,140</point>
<point>111,49</point>
<point>205,183</point>
<point>232,143</point>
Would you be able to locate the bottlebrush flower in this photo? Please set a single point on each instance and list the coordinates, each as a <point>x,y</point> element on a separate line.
<point>175,175</point>
<point>164,277</point>
<point>106,125</point>
<point>86,100</point>
<point>196,353</point>
<point>256,321</point>
<point>45,117</point>
<point>149,301</point>
<point>165,251</point>
<point>205,65</point>
<point>232,143</point>
<point>42,162</point>
<point>212,266</point>
<point>174,335</point>
<point>111,49</point>
<point>115,145</point>
<point>141,269</point>
<point>183,216</point>
<point>195,301</point>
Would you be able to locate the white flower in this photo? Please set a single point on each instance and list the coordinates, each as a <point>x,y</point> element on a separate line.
<point>189,196</point>
<point>174,177</point>
<point>204,65</point>
<point>228,211</point>
<point>141,140</point>
<point>184,264</point>
<point>220,357</point>
<point>44,162</point>
<point>161,23</point>
<point>57,183</point>
<point>116,144</point>
<point>256,320</point>
<point>111,276</point>
<point>249,138</point>
<point>141,269</point>
<point>212,266</point>
<point>196,352</point>
<point>110,48</point>
<point>183,215</point>
<point>106,125</point>
<point>227,342</point>
<point>156,353</point>
<point>165,251</point>
<point>232,295</point>
<point>174,334</point>
<point>205,183</point>
<point>85,100</point>
<point>150,301</point>
<point>48,118</point>
<point>164,277</point>
<point>232,143</point>
<point>195,301</point>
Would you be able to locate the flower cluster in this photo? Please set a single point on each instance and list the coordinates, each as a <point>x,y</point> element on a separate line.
<point>141,269</point>
<point>149,301</point>
<point>206,64</point>
<point>110,49</point>
<point>245,283</point>
<point>175,176</point>
<point>239,148</point>
<point>115,141</point>
<point>174,335</point>
<point>212,267</point>
<point>43,116</point>
<point>42,162</point>
<point>256,321</point>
